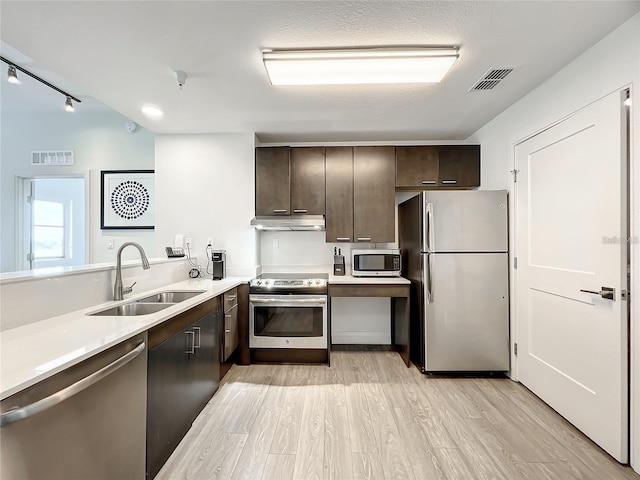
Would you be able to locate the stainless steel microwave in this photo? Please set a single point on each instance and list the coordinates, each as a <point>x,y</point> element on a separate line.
<point>376,263</point>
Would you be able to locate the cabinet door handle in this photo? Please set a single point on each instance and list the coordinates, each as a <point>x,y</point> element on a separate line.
<point>299,210</point>
<point>364,239</point>
<point>343,239</point>
<point>233,297</point>
<point>449,182</point>
<point>43,404</point>
<point>428,182</point>
<point>199,332</point>
<point>193,342</point>
<point>280,210</point>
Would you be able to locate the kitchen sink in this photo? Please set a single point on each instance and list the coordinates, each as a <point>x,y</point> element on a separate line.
<point>170,297</point>
<point>132,308</point>
<point>150,304</point>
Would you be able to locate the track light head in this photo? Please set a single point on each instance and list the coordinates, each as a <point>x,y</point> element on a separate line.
<point>68,105</point>
<point>12,75</point>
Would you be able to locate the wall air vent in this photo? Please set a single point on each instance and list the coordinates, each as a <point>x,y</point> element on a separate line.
<point>491,79</point>
<point>52,157</point>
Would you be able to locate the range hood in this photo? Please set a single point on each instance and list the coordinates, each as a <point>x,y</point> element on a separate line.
<point>290,222</point>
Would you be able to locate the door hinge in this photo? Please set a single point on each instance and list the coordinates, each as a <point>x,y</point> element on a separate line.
<point>515,349</point>
<point>515,175</point>
<point>515,262</point>
<point>30,257</point>
<point>29,199</point>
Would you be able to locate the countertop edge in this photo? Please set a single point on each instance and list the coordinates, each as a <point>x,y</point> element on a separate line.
<point>213,289</point>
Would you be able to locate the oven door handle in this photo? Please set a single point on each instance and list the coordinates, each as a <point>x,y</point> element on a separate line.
<point>288,301</point>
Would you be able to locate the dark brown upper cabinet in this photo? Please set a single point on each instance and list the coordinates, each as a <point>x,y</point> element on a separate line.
<point>290,180</point>
<point>339,187</point>
<point>307,180</point>
<point>272,181</point>
<point>374,194</point>
<point>437,166</point>
<point>416,166</point>
<point>459,166</point>
<point>360,194</point>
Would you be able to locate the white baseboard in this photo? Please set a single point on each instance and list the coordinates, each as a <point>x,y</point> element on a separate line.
<point>361,338</point>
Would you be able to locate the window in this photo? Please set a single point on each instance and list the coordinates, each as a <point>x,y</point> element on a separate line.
<point>50,233</point>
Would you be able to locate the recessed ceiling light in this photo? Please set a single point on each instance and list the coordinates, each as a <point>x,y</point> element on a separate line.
<point>359,65</point>
<point>152,111</point>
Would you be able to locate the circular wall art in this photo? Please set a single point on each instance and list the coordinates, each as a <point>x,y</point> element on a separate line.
<point>130,199</point>
<point>127,199</point>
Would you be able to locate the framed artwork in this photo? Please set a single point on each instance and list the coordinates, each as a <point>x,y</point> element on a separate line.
<point>127,199</point>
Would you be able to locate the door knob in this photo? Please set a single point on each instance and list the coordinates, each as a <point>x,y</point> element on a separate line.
<point>606,292</point>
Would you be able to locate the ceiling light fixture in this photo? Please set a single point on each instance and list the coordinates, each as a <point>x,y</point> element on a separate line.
<point>359,65</point>
<point>12,77</point>
<point>68,105</point>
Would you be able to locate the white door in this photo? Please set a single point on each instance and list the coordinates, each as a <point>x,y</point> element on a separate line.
<point>570,230</point>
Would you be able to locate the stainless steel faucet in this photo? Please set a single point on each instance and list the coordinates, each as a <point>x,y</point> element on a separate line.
<point>118,290</point>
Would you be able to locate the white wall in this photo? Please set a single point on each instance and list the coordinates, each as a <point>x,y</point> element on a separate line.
<point>205,186</point>
<point>99,141</point>
<point>610,65</point>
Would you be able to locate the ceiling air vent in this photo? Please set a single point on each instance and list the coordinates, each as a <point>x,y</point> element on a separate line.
<point>491,79</point>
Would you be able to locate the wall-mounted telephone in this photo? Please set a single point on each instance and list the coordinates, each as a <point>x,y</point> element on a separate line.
<point>174,252</point>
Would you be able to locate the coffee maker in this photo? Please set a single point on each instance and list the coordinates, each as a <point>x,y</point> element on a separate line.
<point>219,259</point>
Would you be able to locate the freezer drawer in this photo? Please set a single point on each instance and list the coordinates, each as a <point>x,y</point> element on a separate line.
<point>467,312</point>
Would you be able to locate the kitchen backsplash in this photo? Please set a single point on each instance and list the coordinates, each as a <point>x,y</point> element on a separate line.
<point>304,251</point>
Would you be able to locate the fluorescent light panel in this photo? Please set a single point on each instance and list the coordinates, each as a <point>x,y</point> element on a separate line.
<point>357,66</point>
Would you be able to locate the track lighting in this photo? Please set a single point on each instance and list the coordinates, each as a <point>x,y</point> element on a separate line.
<point>68,105</point>
<point>12,77</point>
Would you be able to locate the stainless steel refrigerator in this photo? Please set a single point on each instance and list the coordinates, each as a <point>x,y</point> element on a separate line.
<point>455,252</point>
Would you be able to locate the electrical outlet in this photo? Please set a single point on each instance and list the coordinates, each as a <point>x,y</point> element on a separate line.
<point>180,266</point>
<point>188,241</point>
<point>276,243</point>
<point>210,241</point>
<point>110,243</point>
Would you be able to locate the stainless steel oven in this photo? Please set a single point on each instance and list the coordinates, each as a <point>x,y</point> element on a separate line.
<point>288,311</point>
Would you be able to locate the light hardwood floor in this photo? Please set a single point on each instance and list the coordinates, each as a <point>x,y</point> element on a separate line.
<point>369,417</point>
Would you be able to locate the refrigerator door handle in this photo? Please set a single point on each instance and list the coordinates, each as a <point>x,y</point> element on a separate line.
<point>426,276</point>
<point>427,228</point>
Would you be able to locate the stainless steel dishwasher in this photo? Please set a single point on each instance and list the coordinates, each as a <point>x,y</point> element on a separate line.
<point>87,421</point>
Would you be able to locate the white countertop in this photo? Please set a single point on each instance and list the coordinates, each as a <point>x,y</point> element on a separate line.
<point>36,351</point>
<point>351,280</point>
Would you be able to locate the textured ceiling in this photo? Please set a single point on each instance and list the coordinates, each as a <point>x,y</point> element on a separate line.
<point>124,53</point>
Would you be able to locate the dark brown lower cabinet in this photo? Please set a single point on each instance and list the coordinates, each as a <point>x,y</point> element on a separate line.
<point>183,374</point>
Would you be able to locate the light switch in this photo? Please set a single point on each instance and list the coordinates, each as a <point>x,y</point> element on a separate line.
<point>110,243</point>
<point>276,243</point>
